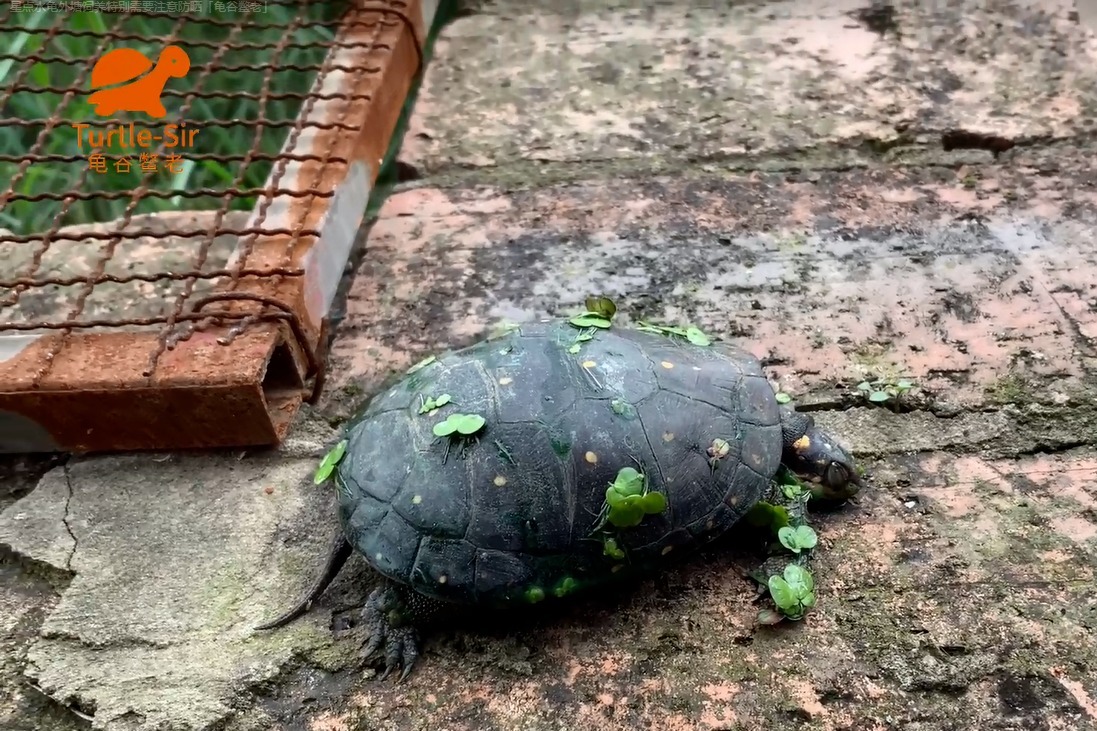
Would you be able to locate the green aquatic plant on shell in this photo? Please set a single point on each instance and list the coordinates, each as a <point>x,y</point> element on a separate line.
<point>604,307</point>
<point>589,319</point>
<point>462,424</point>
<point>693,334</point>
<point>628,500</point>
<point>329,462</point>
<point>611,549</point>
<point>433,403</point>
<point>598,314</point>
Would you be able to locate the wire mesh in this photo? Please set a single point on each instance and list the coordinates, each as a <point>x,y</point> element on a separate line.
<point>143,144</point>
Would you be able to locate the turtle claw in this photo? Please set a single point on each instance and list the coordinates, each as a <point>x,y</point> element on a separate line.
<point>399,643</point>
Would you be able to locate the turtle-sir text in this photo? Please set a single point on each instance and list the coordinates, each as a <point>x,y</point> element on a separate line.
<point>129,136</point>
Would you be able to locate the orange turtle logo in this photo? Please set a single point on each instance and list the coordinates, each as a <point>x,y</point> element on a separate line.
<point>136,83</point>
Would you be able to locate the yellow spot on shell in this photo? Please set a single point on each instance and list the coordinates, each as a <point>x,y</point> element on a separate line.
<point>710,525</point>
<point>505,380</point>
<point>499,480</point>
<point>379,556</point>
<point>668,436</point>
<point>443,579</point>
<point>417,499</point>
<point>589,364</point>
<point>802,443</point>
<point>666,550</point>
<point>591,457</point>
<point>667,364</point>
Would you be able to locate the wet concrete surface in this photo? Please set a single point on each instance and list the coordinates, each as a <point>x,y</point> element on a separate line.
<point>532,92</point>
<point>956,593</point>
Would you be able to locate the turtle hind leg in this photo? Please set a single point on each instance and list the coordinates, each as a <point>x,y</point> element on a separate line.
<point>393,614</point>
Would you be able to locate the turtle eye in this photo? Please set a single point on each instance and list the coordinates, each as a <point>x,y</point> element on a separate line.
<point>837,475</point>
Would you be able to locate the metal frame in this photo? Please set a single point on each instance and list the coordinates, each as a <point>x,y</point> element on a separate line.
<point>233,368</point>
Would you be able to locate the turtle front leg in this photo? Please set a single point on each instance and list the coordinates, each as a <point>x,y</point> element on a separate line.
<point>393,614</point>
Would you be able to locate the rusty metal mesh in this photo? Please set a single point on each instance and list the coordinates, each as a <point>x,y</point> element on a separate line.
<point>115,231</point>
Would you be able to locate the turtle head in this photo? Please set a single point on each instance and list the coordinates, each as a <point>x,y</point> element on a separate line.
<point>815,457</point>
<point>175,61</point>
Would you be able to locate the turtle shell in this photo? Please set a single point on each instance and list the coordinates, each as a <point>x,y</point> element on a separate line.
<point>507,514</point>
<point>118,65</point>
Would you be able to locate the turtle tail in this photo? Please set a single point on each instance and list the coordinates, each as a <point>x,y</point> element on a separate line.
<point>337,556</point>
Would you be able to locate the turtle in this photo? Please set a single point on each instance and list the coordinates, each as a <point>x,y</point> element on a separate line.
<point>549,460</point>
<point>142,94</point>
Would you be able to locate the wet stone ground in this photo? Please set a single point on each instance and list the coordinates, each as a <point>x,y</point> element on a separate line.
<point>883,195</point>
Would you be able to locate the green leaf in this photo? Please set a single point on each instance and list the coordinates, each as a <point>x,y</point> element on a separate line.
<point>611,549</point>
<point>589,319</point>
<point>904,385</point>
<point>604,307</point>
<point>620,407</point>
<point>422,364</point>
<point>628,514</point>
<point>584,337</point>
<point>574,348</point>
<point>799,579</point>
<point>469,423</point>
<point>879,396</point>
<point>445,428</point>
<point>565,587</point>
<point>806,537</point>
<point>761,514</point>
<point>653,503</point>
<point>782,397</point>
<point>662,329</point>
<point>780,517</point>
<point>628,481</point>
<point>782,593</point>
<point>432,404</point>
<point>807,600</point>
<point>787,536</point>
<point>792,491</point>
<point>328,463</point>
<point>864,386</point>
<point>695,336</point>
<point>613,498</point>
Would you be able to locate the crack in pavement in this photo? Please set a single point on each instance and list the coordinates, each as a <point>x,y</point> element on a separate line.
<point>65,517</point>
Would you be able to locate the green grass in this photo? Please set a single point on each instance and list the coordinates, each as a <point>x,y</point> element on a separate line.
<point>216,159</point>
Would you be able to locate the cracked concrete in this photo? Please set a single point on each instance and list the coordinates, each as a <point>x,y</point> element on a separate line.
<point>167,583</point>
<point>956,593</point>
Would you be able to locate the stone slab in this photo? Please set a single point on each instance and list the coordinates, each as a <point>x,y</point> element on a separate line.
<point>173,559</point>
<point>521,88</point>
<point>934,275</point>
